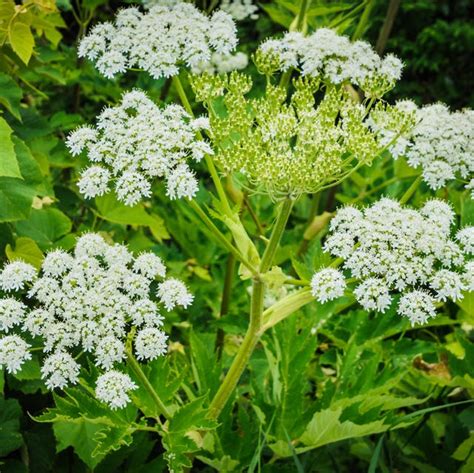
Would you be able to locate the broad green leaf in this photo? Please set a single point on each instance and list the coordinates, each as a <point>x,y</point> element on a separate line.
<point>8,162</point>
<point>27,250</point>
<point>326,427</point>
<point>45,226</point>
<point>467,303</point>
<point>90,427</point>
<point>79,433</point>
<point>10,436</point>
<point>185,434</point>
<point>29,167</point>
<point>10,95</point>
<point>278,15</point>
<point>112,210</point>
<point>205,365</point>
<point>16,198</point>
<point>21,40</point>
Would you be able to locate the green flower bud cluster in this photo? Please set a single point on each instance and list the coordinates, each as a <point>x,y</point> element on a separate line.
<point>288,144</point>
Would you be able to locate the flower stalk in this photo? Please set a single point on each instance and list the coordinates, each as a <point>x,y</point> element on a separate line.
<point>254,330</point>
<point>135,367</point>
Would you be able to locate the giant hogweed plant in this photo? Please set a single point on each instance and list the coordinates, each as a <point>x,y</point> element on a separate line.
<point>96,314</point>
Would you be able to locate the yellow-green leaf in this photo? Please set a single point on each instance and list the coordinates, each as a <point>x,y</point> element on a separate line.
<point>27,250</point>
<point>21,40</point>
<point>8,162</point>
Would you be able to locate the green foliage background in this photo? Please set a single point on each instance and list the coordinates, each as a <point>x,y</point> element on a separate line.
<point>352,392</point>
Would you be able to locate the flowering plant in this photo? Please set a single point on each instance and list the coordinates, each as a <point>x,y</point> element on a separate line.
<point>280,314</point>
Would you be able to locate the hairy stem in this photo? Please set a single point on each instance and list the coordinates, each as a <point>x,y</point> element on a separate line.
<point>243,355</point>
<point>135,367</point>
<point>228,280</point>
<point>254,329</point>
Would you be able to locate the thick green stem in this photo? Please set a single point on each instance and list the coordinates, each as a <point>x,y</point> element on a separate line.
<point>221,237</point>
<point>299,23</point>
<point>256,316</point>
<point>229,278</point>
<point>243,355</point>
<point>387,25</point>
<point>411,190</point>
<point>277,233</point>
<point>210,164</point>
<point>135,367</point>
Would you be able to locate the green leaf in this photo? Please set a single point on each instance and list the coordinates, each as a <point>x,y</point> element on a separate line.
<point>16,198</point>
<point>29,167</point>
<point>184,435</point>
<point>10,95</point>
<point>8,162</point>
<point>112,210</point>
<point>10,436</point>
<point>27,250</point>
<point>91,428</point>
<point>79,433</point>
<point>21,40</point>
<point>45,226</point>
<point>326,427</point>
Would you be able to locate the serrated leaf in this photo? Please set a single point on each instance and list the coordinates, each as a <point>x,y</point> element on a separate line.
<point>21,40</point>
<point>326,427</point>
<point>8,162</point>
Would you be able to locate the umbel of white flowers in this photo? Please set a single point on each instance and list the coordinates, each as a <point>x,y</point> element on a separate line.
<point>237,9</point>
<point>335,59</point>
<point>390,249</point>
<point>222,64</point>
<point>441,143</point>
<point>136,142</point>
<point>93,301</point>
<point>158,41</point>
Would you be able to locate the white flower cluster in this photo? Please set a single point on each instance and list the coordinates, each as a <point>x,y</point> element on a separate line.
<point>158,41</point>
<point>222,64</point>
<point>335,59</point>
<point>441,143</point>
<point>393,249</point>
<point>328,284</point>
<point>92,300</point>
<point>240,9</point>
<point>135,142</point>
<point>237,9</point>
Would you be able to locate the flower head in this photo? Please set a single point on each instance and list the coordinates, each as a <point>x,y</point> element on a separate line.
<point>327,284</point>
<point>334,59</point>
<point>159,41</point>
<point>12,312</point>
<point>113,388</point>
<point>15,275</point>
<point>137,142</point>
<point>60,369</point>
<point>441,143</point>
<point>394,249</point>
<point>93,300</point>
<point>13,353</point>
<point>291,145</point>
<point>150,343</point>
